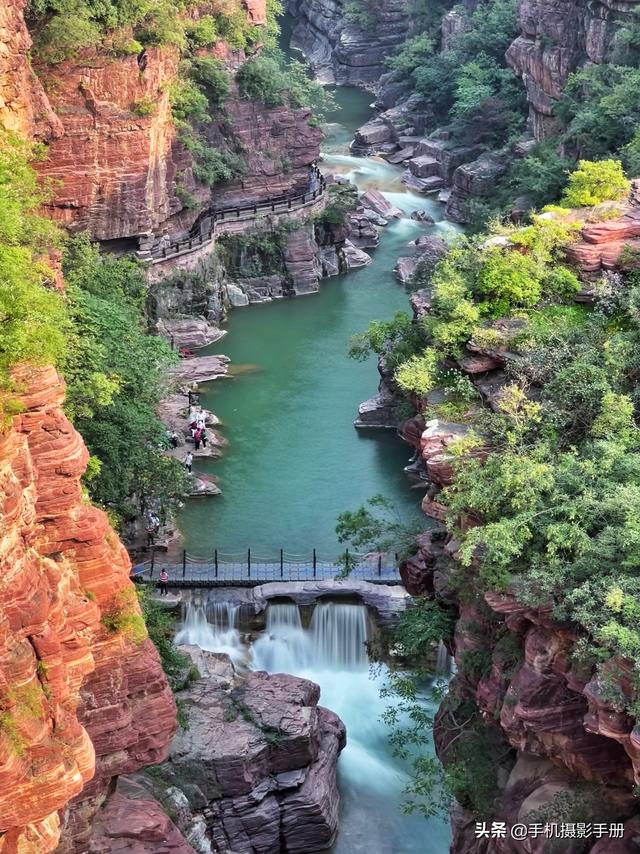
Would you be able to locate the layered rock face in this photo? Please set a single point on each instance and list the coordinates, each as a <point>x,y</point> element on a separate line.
<point>278,144</point>
<point>113,164</point>
<point>256,770</point>
<point>80,702</point>
<point>563,743</point>
<point>24,107</point>
<point>343,52</point>
<point>557,37</point>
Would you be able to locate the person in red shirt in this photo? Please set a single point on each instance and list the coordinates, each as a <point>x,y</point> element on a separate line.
<point>164,579</point>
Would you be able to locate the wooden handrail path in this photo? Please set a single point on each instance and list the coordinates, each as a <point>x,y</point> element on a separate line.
<point>203,230</point>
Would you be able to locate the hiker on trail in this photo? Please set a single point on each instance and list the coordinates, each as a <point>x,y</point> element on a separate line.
<point>173,439</point>
<point>164,579</point>
<point>200,422</point>
<point>197,438</point>
<point>188,461</point>
<point>151,533</point>
<point>203,438</point>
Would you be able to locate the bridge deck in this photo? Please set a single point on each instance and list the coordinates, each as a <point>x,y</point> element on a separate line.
<point>192,573</point>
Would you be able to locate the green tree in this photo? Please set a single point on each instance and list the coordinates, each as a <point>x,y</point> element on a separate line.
<point>592,183</point>
<point>32,313</point>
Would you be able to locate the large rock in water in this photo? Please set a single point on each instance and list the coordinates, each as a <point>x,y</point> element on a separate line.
<point>375,201</point>
<point>301,261</point>
<point>259,763</point>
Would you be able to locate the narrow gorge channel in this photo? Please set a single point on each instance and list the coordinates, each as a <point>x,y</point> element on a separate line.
<point>330,651</point>
<point>293,463</point>
<point>294,460</point>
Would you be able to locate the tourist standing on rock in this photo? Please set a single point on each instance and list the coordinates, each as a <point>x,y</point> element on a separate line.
<point>197,438</point>
<point>203,438</point>
<point>188,461</point>
<point>164,580</point>
<point>173,439</point>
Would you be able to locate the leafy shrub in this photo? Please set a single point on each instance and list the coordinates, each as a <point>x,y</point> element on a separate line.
<point>212,78</point>
<point>32,314</point>
<point>144,107</point>
<point>418,373</point>
<point>201,33</point>
<point>508,279</point>
<point>592,183</point>
<point>188,102</point>
<point>341,199</point>
<point>123,618</point>
<point>214,165</point>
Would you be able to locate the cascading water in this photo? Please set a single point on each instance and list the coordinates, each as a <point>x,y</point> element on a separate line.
<point>335,639</point>
<point>332,652</point>
<point>212,626</point>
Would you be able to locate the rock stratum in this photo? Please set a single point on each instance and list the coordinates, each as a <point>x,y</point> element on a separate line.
<point>256,770</point>
<point>564,746</point>
<point>557,37</point>
<point>80,702</point>
<point>341,50</point>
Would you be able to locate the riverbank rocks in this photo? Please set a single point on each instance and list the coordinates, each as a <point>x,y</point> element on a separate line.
<point>352,257</point>
<point>424,252</point>
<point>375,201</point>
<point>200,369</point>
<point>256,769</point>
<point>189,332</point>
<point>379,410</point>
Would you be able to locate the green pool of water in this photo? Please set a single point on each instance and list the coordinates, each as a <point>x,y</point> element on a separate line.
<point>294,460</point>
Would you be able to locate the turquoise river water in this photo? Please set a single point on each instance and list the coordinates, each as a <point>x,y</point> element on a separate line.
<point>293,463</point>
<point>294,460</point>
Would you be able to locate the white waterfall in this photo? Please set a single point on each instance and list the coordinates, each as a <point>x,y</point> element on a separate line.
<point>214,627</point>
<point>443,661</point>
<point>335,639</point>
<point>339,634</point>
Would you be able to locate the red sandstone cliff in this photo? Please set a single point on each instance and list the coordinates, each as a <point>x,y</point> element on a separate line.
<point>560,737</point>
<point>557,37</point>
<point>117,165</point>
<point>79,703</point>
<point>112,168</point>
<point>24,107</point>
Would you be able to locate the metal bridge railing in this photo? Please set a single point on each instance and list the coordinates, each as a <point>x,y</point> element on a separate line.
<point>254,567</point>
<point>199,236</point>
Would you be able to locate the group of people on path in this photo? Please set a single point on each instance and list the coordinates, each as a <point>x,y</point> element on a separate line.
<point>199,435</point>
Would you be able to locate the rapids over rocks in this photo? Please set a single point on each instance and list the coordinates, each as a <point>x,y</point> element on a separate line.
<point>331,651</point>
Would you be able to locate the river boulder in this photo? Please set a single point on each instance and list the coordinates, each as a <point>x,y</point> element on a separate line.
<point>257,765</point>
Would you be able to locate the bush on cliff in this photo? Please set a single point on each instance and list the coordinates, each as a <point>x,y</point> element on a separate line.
<point>592,183</point>
<point>63,27</point>
<point>273,81</point>
<point>114,371</point>
<point>32,313</point>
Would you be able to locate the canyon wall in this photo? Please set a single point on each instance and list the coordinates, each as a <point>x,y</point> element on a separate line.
<point>566,750</point>
<point>82,699</point>
<point>118,166</point>
<point>342,51</point>
<point>557,37</point>
<point>83,696</point>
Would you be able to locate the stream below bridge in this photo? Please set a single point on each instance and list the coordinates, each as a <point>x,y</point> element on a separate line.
<point>294,462</point>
